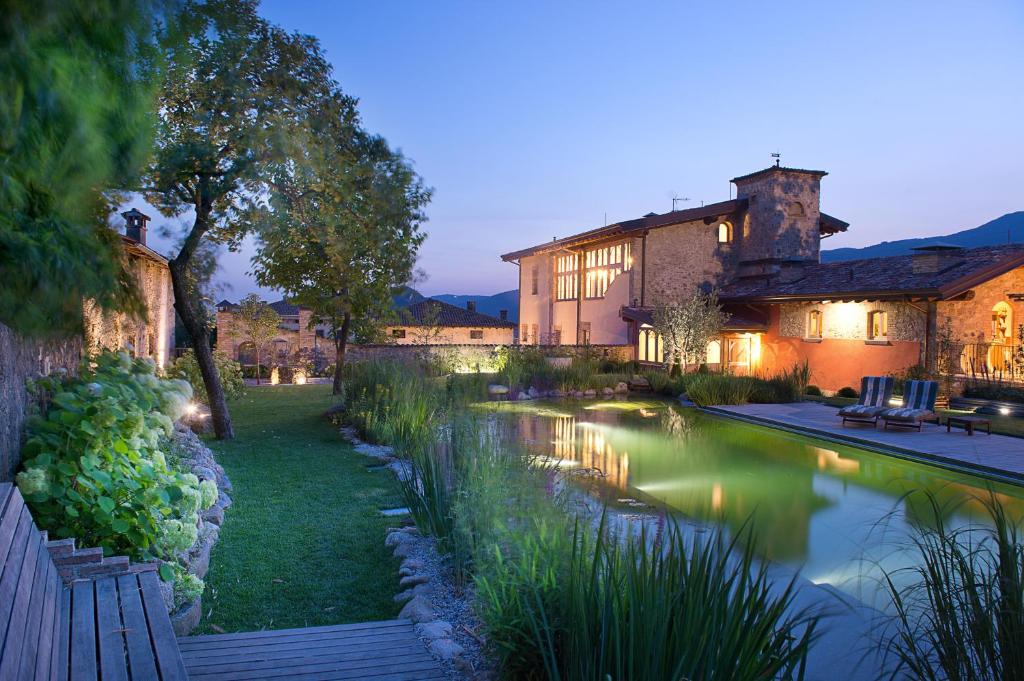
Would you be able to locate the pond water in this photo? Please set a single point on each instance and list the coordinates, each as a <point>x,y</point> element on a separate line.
<point>838,513</point>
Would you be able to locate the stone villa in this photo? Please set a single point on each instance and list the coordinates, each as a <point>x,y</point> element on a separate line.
<point>434,322</point>
<point>148,336</point>
<point>295,340</point>
<point>761,252</point>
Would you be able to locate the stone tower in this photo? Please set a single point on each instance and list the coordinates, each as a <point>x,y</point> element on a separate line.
<point>783,215</point>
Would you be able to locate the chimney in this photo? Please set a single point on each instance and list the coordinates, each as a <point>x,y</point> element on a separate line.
<point>503,315</point>
<point>935,258</point>
<point>471,305</point>
<point>135,225</point>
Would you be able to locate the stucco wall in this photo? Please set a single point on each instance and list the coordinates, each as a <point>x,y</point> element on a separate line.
<point>835,362</point>
<point>20,360</point>
<point>536,309</point>
<point>415,335</point>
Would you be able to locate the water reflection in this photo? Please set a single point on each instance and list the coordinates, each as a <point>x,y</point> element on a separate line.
<point>835,511</point>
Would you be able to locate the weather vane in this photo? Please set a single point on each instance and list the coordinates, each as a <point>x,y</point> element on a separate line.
<point>778,158</point>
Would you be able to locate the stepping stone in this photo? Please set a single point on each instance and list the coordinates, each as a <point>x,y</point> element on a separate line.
<point>389,512</point>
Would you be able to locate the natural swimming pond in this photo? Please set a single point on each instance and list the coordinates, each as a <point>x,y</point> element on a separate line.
<point>838,513</point>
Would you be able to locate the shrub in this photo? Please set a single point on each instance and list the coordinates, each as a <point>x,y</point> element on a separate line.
<point>847,391</point>
<point>94,463</point>
<point>187,368</point>
<point>812,390</point>
<point>963,617</point>
<point>711,389</point>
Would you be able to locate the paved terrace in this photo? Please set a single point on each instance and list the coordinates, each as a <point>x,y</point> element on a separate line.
<point>994,456</point>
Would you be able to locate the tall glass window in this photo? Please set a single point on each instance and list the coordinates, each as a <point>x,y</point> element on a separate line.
<point>566,277</point>
<point>602,265</point>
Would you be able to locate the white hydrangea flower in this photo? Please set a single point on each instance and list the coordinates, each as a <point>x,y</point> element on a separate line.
<point>33,480</point>
<point>208,493</point>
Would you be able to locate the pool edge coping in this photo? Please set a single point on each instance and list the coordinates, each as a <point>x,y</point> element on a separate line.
<point>995,474</point>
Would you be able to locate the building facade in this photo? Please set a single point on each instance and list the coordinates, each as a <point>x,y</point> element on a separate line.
<point>433,322</point>
<point>294,341</point>
<point>149,335</point>
<point>760,252</point>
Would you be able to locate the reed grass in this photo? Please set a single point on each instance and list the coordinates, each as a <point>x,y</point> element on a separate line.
<point>962,617</point>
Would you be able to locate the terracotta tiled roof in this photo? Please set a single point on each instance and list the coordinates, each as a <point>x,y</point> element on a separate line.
<point>281,307</point>
<point>432,312</point>
<point>882,278</point>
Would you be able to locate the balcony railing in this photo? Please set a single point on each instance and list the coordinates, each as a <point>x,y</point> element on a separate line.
<point>993,361</point>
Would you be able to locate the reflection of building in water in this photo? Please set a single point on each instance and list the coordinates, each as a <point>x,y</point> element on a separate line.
<point>830,460</point>
<point>586,445</point>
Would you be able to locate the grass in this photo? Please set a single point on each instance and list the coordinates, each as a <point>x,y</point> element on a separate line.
<point>1002,425</point>
<point>303,543</point>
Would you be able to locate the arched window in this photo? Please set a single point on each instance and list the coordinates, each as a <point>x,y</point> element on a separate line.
<point>714,353</point>
<point>878,325</point>
<point>813,324</point>
<point>796,209</point>
<point>724,232</point>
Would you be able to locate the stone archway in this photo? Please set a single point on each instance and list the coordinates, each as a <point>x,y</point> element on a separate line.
<point>1000,350</point>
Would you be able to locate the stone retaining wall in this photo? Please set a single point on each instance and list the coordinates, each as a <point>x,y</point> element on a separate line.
<point>20,360</point>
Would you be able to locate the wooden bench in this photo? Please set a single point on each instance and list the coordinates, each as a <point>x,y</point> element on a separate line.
<point>70,614</point>
<point>74,615</point>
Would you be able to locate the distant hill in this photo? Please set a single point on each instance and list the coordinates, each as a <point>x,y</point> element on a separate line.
<point>408,296</point>
<point>992,233</point>
<point>489,305</point>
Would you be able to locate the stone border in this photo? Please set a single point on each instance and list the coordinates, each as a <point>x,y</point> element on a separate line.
<point>443,613</point>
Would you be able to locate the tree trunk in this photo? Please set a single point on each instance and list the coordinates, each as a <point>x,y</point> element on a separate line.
<point>257,365</point>
<point>340,343</point>
<point>197,331</point>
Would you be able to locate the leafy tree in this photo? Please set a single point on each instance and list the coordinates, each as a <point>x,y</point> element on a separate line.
<point>341,232</point>
<point>687,326</point>
<point>237,94</point>
<point>255,322</point>
<point>75,121</point>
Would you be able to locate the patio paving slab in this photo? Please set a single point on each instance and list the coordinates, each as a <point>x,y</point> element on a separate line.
<point>999,457</point>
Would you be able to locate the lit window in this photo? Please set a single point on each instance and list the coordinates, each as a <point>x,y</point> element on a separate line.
<point>878,325</point>
<point>603,265</point>
<point>476,334</point>
<point>724,232</point>
<point>567,278</point>
<point>533,333</point>
<point>714,352</point>
<point>524,335</point>
<point>398,333</point>
<point>533,279</point>
<point>814,324</point>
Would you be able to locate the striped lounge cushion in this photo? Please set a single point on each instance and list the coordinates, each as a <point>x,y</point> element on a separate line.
<point>860,410</point>
<point>906,414</point>
<point>920,395</point>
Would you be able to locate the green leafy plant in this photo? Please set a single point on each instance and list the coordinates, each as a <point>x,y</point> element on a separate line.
<point>847,391</point>
<point>187,368</point>
<point>95,467</point>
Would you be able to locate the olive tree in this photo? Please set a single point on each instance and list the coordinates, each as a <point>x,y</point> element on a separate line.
<point>237,93</point>
<point>687,325</point>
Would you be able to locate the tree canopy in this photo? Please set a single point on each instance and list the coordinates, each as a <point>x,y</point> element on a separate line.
<point>687,325</point>
<point>341,229</point>
<point>78,82</point>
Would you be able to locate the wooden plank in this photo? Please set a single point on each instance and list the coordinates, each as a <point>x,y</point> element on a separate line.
<point>109,636</point>
<point>291,657</point>
<point>308,647</point>
<point>60,664</point>
<point>141,660</point>
<point>18,620</point>
<point>165,645</point>
<point>36,606</point>
<point>368,637</point>
<point>83,633</point>
<point>269,633</point>
<point>12,572</point>
<point>10,515</point>
<point>350,670</point>
<point>47,629</point>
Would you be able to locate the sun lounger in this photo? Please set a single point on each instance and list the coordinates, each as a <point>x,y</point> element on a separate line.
<point>918,406</point>
<point>875,392</point>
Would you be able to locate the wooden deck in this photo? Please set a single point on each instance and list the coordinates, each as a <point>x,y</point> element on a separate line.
<point>369,651</point>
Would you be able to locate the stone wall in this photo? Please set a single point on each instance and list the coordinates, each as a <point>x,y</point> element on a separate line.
<point>972,319</point>
<point>20,360</point>
<point>849,321</point>
<point>682,257</point>
<point>782,217</point>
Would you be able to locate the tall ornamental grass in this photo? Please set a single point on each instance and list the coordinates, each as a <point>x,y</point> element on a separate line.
<point>597,606</point>
<point>962,617</point>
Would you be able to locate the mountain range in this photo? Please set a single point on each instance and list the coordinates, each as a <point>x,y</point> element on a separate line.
<point>489,305</point>
<point>1006,229</point>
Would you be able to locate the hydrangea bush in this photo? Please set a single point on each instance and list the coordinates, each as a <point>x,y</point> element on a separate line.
<point>187,368</point>
<point>94,461</point>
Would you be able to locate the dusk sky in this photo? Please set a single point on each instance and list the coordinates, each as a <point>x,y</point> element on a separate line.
<point>536,119</point>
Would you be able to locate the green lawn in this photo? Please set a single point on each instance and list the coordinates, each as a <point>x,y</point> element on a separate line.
<point>303,543</point>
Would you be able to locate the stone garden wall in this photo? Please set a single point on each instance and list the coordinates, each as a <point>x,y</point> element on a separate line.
<point>20,360</point>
